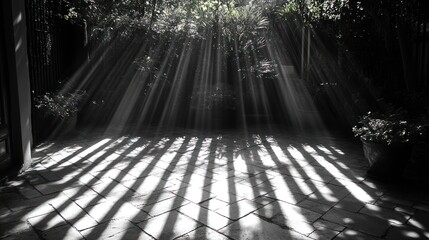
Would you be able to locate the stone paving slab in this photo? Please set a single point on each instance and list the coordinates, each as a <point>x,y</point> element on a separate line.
<point>149,199</point>
<point>74,215</point>
<point>169,225</point>
<point>323,233</point>
<point>213,204</point>
<point>296,224</point>
<point>8,229</point>
<point>352,234</point>
<point>364,223</point>
<point>289,211</point>
<point>420,219</point>
<point>193,185</point>
<point>194,194</point>
<point>108,229</point>
<point>253,227</point>
<point>164,206</point>
<point>107,211</point>
<point>207,217</point>
<point>23,236</point>
<point>394,217</point>
<point>239,209</point>
<point>47,221</point>
<point>314,206</point>
<point>399,232</point>
<point>321,223</point>
<point>62,232</point>
<point>203,233</point>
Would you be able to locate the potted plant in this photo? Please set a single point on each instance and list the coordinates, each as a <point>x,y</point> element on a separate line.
<point>60,109</point>
<point>387,143</point>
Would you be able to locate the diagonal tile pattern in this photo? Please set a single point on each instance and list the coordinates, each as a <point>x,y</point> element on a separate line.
<point>185,184</point>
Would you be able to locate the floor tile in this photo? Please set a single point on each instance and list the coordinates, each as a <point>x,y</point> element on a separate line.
<point>314,206</point>
<point>23,236</point>
<point>23,215</point>
<point>194,194</point>
<point>204,216</point>
<point>8,229</point>
<point>363,223</point>
<point>169,225</point>
<point>164,206</point>
<point>420,219</point>
<point>323,234</point>
<point>62,232</point>
<point>238,209</point>
<point>108,229</point>
<point>252,227</point>
<point>300,225</point>
<point>290,211</point>
<point>193,185</point>
<point>47,221</point>
<point>75,215</point>
<point>203,233</point>
<point>149,199</point>
<point>213,204</point>
<point>321,223</point>
<point>392,216</point>
<point>399,232</point>
<point>107,211</point>
<point>146,185</point>
<point>352,234</point>
<point>350,204</point>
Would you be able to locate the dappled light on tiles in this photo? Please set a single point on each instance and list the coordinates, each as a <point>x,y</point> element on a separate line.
<point>348,181</point>
<point>203,184</point>
<point>92,148</point>
<point>289,169</point>
<point>209,120</point>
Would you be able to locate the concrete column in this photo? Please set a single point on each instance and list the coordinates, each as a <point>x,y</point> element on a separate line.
<point>18,81</point>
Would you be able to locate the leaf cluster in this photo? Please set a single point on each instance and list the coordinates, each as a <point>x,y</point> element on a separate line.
<point>226,17</point>
<point>387,128</point>
<point>313,11</point>
<point>62,105</point>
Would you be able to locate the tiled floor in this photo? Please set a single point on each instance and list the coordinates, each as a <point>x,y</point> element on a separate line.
<point>194,185</point>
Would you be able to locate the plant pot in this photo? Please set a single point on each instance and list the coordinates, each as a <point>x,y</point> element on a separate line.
<point>386,162</point>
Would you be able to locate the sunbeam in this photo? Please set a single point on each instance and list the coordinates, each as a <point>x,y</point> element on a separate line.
<point>214,119</point>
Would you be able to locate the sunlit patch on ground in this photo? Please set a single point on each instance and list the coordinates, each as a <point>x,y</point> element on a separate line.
<point>199,185</point>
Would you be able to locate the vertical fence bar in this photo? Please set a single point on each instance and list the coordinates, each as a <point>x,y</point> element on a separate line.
<point>424,57</point>
<point>44,53</point>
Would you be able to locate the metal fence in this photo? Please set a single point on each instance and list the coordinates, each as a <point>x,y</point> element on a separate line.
<point>422,53</point>
<point>46,62</point>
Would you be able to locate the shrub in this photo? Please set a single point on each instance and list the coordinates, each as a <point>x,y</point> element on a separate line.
<point>58,104</point>
<point>387,128</point>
